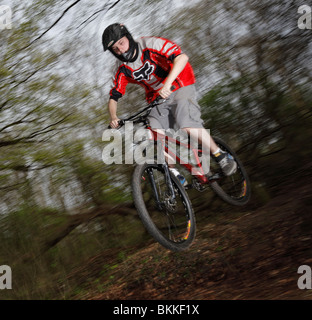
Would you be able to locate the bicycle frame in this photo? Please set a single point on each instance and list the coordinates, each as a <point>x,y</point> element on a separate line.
<point>197,169</point>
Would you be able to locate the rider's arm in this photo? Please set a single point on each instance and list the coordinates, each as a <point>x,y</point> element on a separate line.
<point>179,64</point>
<point>112,109</point>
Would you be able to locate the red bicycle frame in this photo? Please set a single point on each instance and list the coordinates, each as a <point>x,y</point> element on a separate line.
<point>196,170</point>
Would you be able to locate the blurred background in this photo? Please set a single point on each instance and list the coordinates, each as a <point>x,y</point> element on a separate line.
<point>60,204</point>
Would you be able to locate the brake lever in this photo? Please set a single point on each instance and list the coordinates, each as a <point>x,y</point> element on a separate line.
<point>159,100</point>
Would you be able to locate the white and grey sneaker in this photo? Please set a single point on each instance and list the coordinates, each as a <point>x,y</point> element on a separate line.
<point>226,163</point>
<point>180,177</point>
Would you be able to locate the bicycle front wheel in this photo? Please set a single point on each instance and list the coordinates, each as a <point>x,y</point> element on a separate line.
<point>170,221</point>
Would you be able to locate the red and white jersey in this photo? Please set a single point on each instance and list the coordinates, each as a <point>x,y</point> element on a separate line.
<point>151,68</point>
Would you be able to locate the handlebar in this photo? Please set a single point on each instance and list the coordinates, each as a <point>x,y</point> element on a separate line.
<point>159,100</point>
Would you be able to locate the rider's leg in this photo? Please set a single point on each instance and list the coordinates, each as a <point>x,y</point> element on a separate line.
<point>157,125</point>
<point>204,138</point>
<point>225,160</point>
<point>160,148</point>
<point>168,158</point>
<point>187,115</point>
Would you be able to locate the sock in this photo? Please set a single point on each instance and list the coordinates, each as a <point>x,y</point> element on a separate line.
<point>217,153</point>
<point>174,171</point>
<point>178,175</point>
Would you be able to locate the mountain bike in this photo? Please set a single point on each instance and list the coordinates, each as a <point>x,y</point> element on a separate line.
<point>162,202</point>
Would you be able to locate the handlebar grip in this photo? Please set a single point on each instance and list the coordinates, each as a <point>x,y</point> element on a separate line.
<point>160,98</point>
<point>120,122</point>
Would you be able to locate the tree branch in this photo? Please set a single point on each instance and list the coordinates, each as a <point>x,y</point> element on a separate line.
<point>53,25</point>
<point>97,12</point>
<point>78,219</point>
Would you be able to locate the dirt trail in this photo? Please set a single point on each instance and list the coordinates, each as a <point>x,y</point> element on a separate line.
<point>251,256</point>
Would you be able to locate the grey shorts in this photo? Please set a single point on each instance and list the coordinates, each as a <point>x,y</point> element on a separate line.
<point>179,111</point>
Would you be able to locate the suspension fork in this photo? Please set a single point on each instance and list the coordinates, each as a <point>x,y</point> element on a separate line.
<point>168,183</point>
<point>154,188</point>
<point>161,145</point>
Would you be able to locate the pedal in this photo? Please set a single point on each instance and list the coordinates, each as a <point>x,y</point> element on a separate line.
<point>216,176</point>
<point>198,186</point>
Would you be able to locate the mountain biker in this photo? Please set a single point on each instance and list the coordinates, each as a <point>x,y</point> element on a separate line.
<point>160,66</point>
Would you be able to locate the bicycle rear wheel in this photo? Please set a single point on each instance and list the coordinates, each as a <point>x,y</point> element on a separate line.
<point>234,189</point>
<point>170,223</point>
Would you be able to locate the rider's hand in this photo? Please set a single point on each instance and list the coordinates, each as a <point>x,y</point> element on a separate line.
<point>165,91</point>
<point>114,123</point>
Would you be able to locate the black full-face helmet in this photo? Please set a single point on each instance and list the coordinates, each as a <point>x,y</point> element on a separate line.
<point>112,34</point>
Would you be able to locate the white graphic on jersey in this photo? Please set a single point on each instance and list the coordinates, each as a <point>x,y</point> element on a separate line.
<point>144,72</point>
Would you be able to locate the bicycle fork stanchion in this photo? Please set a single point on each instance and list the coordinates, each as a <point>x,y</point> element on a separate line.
<point>152,181</point>
<point>169,182</point>
<point>215,177</point>
<point>161,152</point>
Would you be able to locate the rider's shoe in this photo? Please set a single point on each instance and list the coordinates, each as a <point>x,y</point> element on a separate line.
<point>226,162</point>
<point>180,177</point>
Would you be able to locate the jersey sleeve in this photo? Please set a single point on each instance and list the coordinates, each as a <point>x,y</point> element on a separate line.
<point>170,50</point>
<point>120,82</point>
<point>165,47</point>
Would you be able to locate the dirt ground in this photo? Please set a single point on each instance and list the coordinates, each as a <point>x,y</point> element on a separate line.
<point>254,255</point>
